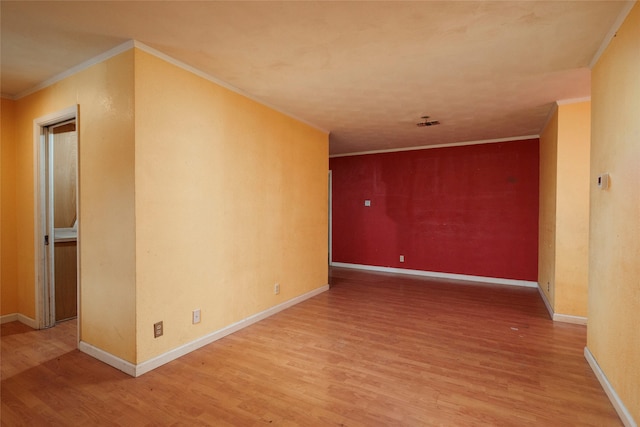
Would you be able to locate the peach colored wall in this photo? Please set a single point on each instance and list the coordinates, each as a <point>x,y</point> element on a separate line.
<point>231,198</point>
<point>104,94</point>
<point>614,257</point>
<point>191,196</point>
<point>572,209</point>
<point>564,209</point>
<point>8,236</point>
<point>547,208</point>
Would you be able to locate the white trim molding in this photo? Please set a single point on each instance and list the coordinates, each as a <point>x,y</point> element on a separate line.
<point>557,317</point>
<point>623,412</point>
<point>428,147</point>
<point>569,318</point>
<point>220,82</point>
<point>148,365</point>
<point>130,44</point>
<point>44,316</point>
<point>8,318</point>
<point>546,302</point>
<point>83,66</point>
<point>108,358</point>
<point>612,32</point>
<point>570,101</point>
<point>436,274</point>
<point>19,317</point>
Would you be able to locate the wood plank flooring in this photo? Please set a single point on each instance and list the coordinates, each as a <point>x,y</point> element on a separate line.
<point>374,350</point>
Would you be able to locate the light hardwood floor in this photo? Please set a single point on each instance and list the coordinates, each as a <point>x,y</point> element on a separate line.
<point>375,350</point>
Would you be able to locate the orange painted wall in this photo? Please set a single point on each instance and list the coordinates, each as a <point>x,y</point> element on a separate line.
<point>8,237</point>
<point>231,198</point>
<point>572,209</point>
<point>547,209</point>
<point>563,239</point>
<point>614,255</point>
<point>104,95</point>
<point>191,196</point>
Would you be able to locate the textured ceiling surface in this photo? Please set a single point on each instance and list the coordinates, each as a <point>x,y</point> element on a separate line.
<point>365,71</point>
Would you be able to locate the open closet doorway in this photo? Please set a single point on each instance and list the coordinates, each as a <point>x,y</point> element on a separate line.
<point>57,217</point>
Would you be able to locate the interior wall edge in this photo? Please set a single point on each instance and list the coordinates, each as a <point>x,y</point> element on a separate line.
<point>108,358</point>
<point>558,317</point>
<point>546,302</point>
<point>621,409</point>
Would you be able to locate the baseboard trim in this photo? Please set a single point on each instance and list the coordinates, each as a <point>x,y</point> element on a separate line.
<point>622,411</point>
<point>151,364</point>
<point>108,358</point>
<point>438,275</point>
<point>7,318</point>
<point>546,302</point>
<point>568,318</point>
<point>557,317</point>
<point>19,317</point>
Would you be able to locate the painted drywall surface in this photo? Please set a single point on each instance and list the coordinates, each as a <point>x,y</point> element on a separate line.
<point>572,209</point>
<point>466,210</point>
<point>547,208</point>
<point>8,237</point>
<point>104,94</point>
<point>614,247</point>
<point>231,198</point>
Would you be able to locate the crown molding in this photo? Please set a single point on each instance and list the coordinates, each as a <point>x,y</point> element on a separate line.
<point>80,67</point>
<point>130,44</point>
<point>612,32</point>
<point>428,147</point>
<point>219,82</point>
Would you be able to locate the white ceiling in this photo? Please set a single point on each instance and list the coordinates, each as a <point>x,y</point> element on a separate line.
<point>365,71</point>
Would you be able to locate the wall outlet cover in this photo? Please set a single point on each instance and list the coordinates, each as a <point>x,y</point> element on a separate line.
<point>158,329</point>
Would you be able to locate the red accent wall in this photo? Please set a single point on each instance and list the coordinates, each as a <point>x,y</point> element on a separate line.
<point>466,210</point>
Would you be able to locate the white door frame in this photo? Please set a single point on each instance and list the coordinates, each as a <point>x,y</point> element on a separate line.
<point>44,295</point>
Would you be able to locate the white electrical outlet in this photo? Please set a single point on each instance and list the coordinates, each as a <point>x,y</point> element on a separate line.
<point>276,288</point>
<point>401,258</point>
<point>196,316</point>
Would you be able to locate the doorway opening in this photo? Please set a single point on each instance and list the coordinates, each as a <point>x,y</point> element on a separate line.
<point>56,237</point>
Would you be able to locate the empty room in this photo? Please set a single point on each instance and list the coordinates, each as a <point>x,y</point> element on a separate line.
<point>314,213</point>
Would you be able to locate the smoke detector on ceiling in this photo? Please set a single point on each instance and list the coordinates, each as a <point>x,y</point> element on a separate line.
<point>426,122</point>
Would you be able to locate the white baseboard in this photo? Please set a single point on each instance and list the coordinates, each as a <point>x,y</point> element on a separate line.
<point>435,274</point>
<point>13,317</point>
<point>20,318</point>
<point>622,411</point>
<point>546,302</point>
<point>557,317</point>
<point>108,358</point>
<point>568,318</point>
<point>148,365</point>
